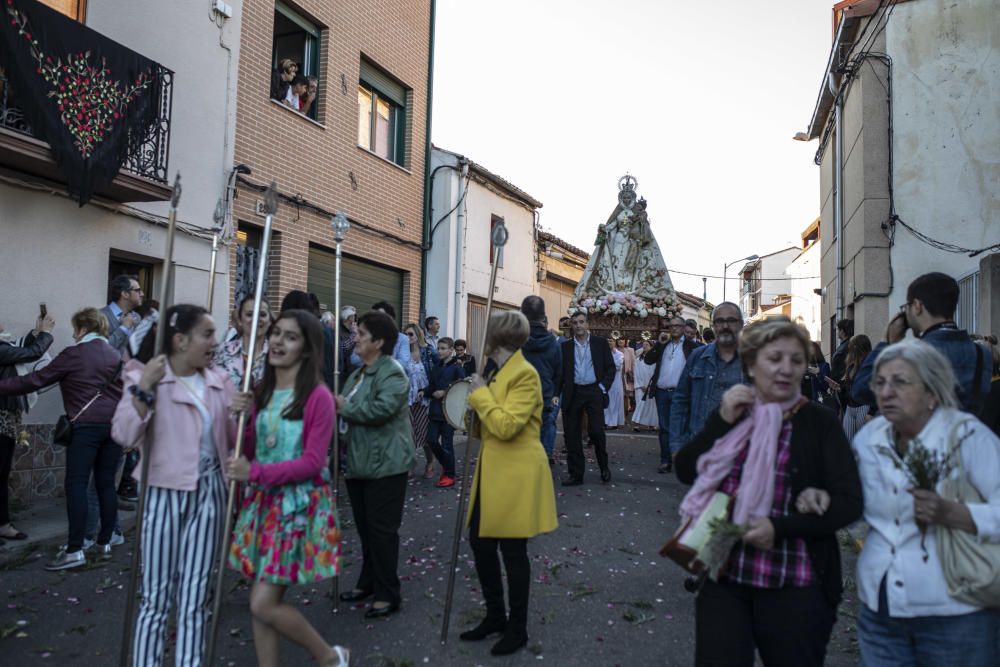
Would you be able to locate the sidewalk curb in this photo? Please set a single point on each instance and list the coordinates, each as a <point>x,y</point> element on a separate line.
<point>45,524</point>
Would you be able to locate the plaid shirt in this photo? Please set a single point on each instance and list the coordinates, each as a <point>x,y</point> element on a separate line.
<point>787,564</point>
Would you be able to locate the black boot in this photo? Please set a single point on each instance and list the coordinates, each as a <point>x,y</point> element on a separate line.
<point>488,626</point>
<point>487,562</point>
<point>513,640</point>
<point>515,557</point>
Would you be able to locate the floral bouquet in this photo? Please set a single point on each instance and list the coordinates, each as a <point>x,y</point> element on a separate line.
<point>923,467</point>
<point>723,536</point>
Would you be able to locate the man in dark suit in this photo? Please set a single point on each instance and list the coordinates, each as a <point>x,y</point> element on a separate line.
<point>669,354</point>
<point>588,370</point>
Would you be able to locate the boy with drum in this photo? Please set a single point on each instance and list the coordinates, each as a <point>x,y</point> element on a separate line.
<point>440,434</point>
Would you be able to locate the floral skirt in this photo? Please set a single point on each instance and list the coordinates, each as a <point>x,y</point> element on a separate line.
<point>287,535</point>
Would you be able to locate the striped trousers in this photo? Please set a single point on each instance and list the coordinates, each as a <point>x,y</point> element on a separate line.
<point>179,534</point>
<point>854,420</point>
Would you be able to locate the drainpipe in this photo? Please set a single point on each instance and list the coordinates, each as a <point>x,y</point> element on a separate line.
<point>427,166</point>
<point>460,247</point>
<point>838,190</point>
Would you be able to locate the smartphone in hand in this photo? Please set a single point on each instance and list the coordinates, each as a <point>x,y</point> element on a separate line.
<point>43,311</point>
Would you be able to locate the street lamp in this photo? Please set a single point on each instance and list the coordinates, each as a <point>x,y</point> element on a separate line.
<point>726,268</point>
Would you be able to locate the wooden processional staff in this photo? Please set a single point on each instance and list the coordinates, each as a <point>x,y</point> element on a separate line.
<point>271,208</point>
<point>125,655</point>
<point>499,240</point>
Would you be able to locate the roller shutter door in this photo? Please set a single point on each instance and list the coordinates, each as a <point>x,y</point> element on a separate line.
<point>362,283</point>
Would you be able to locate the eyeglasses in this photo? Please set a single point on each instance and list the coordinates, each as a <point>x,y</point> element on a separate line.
<point>135,289</point>
<point>903,308</point>
<point>410,333</point>
<point>727,321</point>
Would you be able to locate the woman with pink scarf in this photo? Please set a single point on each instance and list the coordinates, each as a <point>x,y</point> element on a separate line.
<point>764,446</point>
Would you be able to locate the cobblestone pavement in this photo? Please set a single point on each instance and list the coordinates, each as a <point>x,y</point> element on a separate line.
<point>600,594</point>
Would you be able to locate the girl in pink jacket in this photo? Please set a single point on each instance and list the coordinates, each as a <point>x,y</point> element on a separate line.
<point>287,531</point>
<point>185,502</point>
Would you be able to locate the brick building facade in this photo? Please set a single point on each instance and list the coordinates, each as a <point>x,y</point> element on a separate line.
<point>375,53</point>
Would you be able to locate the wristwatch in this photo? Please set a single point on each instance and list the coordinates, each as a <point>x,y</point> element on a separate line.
<point>146,397</point>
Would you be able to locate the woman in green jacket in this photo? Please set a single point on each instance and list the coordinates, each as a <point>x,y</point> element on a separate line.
<point>376,427</point>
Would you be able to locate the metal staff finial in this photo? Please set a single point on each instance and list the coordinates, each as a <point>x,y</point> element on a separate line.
<point>271,199</point>
<point>125,655</point>
<point>499,237</point>
<point>219,218</point>
<point>175,195</point>
<point>340,225</point>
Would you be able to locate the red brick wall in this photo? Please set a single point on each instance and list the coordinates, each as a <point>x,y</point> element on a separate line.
<point>315,161</point>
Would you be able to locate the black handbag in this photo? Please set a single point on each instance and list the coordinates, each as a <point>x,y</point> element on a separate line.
<point>62,434</point>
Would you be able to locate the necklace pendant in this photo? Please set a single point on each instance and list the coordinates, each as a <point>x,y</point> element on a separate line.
<point>272,440</point>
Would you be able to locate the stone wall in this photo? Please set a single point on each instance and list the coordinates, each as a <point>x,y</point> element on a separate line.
<point>38,469</point>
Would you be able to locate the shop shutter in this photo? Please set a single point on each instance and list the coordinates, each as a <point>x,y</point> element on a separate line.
<point>362,283</point>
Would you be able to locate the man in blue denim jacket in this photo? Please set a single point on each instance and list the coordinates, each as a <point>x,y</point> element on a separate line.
<point>929,311</point>
<point>708,373</point>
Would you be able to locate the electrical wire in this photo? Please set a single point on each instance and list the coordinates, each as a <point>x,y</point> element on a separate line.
<point>737,277</point>
<point>465,194</point>
<point>301,202</point>
<point>120,209</point>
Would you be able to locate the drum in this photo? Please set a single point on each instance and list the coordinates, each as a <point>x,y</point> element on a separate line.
<point>456,403</point>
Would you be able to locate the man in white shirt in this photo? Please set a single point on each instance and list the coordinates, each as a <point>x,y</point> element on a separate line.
<point>587,373</point>
<point>669,355</point>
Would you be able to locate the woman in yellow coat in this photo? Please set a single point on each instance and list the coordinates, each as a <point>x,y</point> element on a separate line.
<point>512,496</point>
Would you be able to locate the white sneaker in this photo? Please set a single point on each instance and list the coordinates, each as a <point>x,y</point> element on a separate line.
<point>342,656</point>
<point>65,560</point>
<point>117,539</point>
<point>87,545</point>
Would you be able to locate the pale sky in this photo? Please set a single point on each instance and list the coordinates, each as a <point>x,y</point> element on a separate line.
<point>698,100</point>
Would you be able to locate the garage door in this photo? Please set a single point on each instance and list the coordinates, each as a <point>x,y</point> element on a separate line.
<point>362,283</point>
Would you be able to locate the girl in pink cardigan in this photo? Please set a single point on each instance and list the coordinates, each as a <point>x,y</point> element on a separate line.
<point>287,532</point>
<point>185,492</point>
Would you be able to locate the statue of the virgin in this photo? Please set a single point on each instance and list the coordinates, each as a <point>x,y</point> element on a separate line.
<point>626,257</point>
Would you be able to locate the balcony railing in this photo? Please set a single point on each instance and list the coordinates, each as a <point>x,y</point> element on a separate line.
<point>147,155</point>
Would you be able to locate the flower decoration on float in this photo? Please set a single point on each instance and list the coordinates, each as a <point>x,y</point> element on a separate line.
<point>624,304</point>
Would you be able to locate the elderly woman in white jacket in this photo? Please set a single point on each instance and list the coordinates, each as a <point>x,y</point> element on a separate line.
<point>907,615</point>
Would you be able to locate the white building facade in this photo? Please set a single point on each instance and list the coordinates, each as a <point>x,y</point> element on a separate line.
<point>467,201</point>
<point>804,280</point>
<point>765,282</point>
<point>909,158</point>
<point>63,254</point>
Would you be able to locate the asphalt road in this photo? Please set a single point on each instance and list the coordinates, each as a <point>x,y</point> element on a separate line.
<point>600,594</point>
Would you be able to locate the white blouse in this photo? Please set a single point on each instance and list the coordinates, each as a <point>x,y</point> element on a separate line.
<point>892,549</point>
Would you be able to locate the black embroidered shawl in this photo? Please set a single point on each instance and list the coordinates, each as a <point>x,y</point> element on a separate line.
<point>92,99</point>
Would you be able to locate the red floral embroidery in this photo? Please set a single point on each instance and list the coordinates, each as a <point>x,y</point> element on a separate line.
<point>89,100</point>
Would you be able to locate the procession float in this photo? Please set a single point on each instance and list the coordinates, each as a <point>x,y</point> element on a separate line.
<point>626,291</point>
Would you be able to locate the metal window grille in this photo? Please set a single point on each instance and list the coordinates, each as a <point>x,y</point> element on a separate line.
<point>968,293</point>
